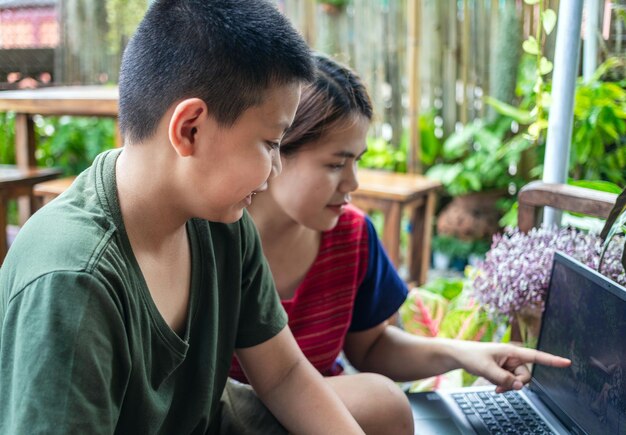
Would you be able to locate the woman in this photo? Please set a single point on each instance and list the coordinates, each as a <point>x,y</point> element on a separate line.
<point>333,276</point>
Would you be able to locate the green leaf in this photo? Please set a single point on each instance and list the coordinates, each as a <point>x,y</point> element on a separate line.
<point>429,143</point>
<point>445,173</point>
<point>473,180</point>
<point>531,46</point>
<point>422,312</point>
<point>510,217</point>
<point>467,324</point>
<point>545,66</point>
<point>600,185</point>
<point>488,140</point>
<point>607,65</point>
<point>521,116</point>
<point>449,288</point>
<point>548,19</point>
<point>535,129</point>
<point>459,143</point>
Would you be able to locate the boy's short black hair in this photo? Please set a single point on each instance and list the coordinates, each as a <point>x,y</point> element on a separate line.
<point>226,52</point>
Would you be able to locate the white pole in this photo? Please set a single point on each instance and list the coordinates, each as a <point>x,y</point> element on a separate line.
<point>562,107</point>
<point>590,49</point>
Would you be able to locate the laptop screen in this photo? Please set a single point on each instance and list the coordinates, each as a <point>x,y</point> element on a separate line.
<point>584,320</point>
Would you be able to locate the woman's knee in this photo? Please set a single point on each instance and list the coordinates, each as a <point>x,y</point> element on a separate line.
<point>376,402</point>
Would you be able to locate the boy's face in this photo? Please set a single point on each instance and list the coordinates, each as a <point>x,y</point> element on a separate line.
<point>237,161</point>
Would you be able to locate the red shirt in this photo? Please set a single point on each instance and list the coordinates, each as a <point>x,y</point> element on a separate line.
<point>320,311</point>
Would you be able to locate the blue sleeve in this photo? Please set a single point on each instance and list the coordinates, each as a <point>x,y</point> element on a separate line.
<point>382,291</point>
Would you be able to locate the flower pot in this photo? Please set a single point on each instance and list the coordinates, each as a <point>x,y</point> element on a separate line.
<point>471,217</point>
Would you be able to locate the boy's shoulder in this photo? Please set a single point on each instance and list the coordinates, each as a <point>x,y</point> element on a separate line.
<point>66,235</point>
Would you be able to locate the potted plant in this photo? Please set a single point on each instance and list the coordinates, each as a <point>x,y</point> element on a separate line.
<point>442,252</point>
<point>512,280</point>
<point>444,307</point>
<point>455,253</point>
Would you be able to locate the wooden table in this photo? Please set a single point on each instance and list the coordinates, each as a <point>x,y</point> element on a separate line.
<point>392,194</point>
<point>54,101</point>
<point>16,182</point>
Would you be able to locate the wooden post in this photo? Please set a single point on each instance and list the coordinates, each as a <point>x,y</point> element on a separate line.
<point>25,158</point>
<point>494,18</point>
<point>414,164</point>
<point>465,49</point>
<point>449,109</point>
<point>481,64</point>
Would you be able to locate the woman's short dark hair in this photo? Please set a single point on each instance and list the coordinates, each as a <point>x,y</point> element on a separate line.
<point>336,94</point>
<point>226,52</point>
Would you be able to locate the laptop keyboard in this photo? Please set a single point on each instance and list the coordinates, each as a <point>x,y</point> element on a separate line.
<point>506,413</point>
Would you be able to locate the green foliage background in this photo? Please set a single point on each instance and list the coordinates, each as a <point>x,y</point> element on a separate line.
<point>69,143</point>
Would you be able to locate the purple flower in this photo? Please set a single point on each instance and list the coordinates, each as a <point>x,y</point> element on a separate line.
<point>516,270</point>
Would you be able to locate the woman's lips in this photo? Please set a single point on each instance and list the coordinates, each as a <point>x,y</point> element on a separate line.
<point>337,208</point>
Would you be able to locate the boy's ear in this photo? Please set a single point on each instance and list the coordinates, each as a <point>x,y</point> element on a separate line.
<point>185,124</point>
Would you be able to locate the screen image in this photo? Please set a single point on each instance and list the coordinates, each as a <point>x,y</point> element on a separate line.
<point>586,322</point>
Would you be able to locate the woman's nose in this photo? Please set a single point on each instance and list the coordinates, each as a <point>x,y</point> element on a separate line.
<point>277,165</point>
<point>350,182</point>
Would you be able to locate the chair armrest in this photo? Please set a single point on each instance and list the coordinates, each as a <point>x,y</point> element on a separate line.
<point>563,197</point>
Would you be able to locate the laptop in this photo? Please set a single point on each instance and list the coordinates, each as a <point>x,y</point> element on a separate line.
<point>584,320</point>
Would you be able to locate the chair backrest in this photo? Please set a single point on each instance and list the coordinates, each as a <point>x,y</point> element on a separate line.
<point>537,194</point>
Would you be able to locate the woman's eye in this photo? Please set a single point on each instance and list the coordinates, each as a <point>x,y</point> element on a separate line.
<point>336,166</point>
<point>273,145</point>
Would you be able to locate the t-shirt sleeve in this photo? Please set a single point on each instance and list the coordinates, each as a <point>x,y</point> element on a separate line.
<point>262,315</point>
<point>64,358</point>
<point>382,291</point>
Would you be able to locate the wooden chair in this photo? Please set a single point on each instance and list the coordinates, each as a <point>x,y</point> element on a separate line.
<point>16,183</point>
<point>392,194</point>
<point>48,190</point>
<point>537,194</point>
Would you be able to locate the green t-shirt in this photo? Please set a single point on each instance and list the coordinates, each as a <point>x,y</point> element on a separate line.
<point>83,348</point>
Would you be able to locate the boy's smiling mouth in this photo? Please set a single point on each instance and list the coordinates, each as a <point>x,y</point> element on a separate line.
<point>248,199</point>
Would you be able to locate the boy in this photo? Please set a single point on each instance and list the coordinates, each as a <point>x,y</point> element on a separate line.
<point>121,303</point>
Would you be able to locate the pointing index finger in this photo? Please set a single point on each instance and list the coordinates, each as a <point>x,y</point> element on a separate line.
<point>544,358</point>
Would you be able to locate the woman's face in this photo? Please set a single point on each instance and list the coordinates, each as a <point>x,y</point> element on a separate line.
<point>316,181</point>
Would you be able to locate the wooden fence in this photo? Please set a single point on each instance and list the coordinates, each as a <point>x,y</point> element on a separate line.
<point>414,55</point>
<point>466,49</point>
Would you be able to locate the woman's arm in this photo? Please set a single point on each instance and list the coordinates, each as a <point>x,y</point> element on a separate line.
<point>402,356</point>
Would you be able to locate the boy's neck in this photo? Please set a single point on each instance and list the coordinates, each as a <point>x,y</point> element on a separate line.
<point>156,229</point>
<point>148,201</point>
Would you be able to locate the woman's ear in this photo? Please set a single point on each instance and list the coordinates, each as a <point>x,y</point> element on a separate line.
<point>185,124</point>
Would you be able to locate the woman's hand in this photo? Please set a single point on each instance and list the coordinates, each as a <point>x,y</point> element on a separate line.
<point>504,365</point>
